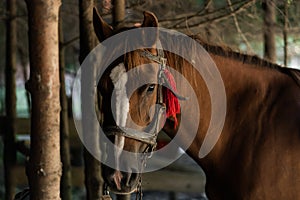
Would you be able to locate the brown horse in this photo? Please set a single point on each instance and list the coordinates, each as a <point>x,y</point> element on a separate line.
<point>257,155</point>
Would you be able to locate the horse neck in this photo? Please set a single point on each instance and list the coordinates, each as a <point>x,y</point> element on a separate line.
<point>246,86</point>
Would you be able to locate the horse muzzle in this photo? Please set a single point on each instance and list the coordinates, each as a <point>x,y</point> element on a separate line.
<point>124,176</point>
<point>121,182</point>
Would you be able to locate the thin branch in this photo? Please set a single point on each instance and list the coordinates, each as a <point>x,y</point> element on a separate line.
<point>185,19</point>
<point>199,13</point>
<point>280,11</point>
<point>236,23</point>
<point>218,18</point>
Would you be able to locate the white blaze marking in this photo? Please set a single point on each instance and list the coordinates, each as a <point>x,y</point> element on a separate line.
<point>119,142</point>
<point>119,78</point>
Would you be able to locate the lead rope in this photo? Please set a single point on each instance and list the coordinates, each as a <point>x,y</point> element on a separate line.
<point>139,192</point>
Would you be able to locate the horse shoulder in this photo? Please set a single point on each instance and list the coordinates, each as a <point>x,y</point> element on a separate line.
<point>278,157</point>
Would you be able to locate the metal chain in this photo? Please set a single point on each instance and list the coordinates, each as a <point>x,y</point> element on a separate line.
<point>139,192</point>
<point>105,195</point>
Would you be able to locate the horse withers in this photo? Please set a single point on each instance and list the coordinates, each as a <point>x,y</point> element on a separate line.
<point>257,155</point>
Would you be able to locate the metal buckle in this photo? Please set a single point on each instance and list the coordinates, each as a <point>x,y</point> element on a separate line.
<point>163,61</point>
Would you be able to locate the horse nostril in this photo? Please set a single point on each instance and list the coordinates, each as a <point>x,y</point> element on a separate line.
<point>117,178</point>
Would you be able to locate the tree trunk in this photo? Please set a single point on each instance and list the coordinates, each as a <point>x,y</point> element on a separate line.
<point>269,30</point>
<point>44,167</point>
<point>118,12</point>
<point>92,170</point>
<point>24,63</point>
<point>285,33</point>
<point>118,18</point>
<point>10,100</point>
<point>65,185</point>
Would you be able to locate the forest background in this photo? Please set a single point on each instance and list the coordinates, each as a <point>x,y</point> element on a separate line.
<point>267,28</point>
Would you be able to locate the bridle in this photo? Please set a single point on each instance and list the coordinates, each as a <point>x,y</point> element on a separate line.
<point>150,135</point>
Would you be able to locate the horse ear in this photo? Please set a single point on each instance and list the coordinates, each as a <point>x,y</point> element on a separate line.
<point>101,28</point>
<point>149,38</point>
<point>150,20</point>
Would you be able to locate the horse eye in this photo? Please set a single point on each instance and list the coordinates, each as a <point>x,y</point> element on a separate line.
<point>150,88</point>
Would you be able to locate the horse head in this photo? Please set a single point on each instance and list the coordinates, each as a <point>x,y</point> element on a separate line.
<point>134,112</point>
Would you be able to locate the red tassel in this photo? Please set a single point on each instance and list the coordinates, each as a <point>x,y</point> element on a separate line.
<point>171,101</point>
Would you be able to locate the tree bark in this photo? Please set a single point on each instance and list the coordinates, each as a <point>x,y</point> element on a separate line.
<point>285,33</point>
<point>24,63</point>
<point>65,185</point>
<point>118,12</point>
<point>269,30</point>
<point>10,100</point>
<point>44,167</point>
<point>119,17</point>
<point>92,170</point>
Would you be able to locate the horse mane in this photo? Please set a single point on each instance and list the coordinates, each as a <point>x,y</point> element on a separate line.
<point>228,52</point>
<point>248,59</point>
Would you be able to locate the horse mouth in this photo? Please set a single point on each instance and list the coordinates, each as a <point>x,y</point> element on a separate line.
<point>124,189</point>
<point>120,182</point>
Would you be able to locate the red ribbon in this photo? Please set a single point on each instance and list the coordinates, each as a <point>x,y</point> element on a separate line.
<point>171,101</point>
